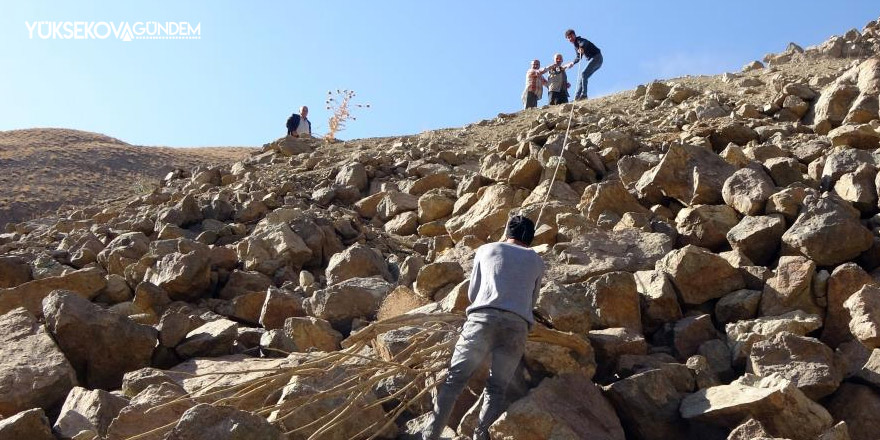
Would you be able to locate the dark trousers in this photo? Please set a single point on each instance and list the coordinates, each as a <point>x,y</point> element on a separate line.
<point>531,100</point>
<point>558,97</point>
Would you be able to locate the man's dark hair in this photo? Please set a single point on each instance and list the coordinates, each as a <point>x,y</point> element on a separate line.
<point>521,228</point>
<point>569,32</point>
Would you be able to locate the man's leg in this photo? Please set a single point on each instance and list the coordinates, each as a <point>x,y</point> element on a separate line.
<point>470,352</point>
<point>531,100</point>
<point>508,347</point>
<point>594,65</point>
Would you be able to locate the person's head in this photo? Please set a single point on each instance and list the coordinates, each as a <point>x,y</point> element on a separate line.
<point>557,58</point>
<point>521,229</point>
<point>536,64</point>
<point>570,35</point>
<point>304,111</point>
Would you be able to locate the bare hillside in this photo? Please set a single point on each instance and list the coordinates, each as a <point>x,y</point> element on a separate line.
<point>43,169</point>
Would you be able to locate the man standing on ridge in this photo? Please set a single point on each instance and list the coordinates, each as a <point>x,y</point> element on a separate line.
<point>534,85</point>
<point>557,84</point>
<point>298,125</point>
<point>503,289</point>
<point>589,50</point>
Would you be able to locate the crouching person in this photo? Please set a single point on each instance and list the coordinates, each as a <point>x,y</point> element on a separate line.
<point>503,289</point>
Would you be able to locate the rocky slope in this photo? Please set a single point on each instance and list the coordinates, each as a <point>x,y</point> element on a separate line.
<point>711,242</point>
<point>42,169</point>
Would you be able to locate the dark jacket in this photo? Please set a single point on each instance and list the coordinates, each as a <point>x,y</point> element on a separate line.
<point>293,123</point>
<point>590,49</point>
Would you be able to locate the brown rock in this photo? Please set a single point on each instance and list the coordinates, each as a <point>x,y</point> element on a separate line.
<point>608,196</point>
<point>806,362</point>
<point>488,216</point>
<point>705,225</point>
<point>700,275</point>
<point>565,406</point>
<point>207,422</point>
<point>738,305</point>
<point>311,332</point>
<point>88,410</point>
<point>394,203</point>
<point>747,190</point>
<point>657,298</point>
<point>613,301</point>
<point>864,309</point>
<point>846,280</point>
<point>742,335</point>
<point>211,339</point>
<point>166,403</point>
<point>526,173</point>
<point>101,346</point>
<point>689,174</point>
<point>790,288</point>
<point>356,261</point>
<point>241,282</point>
<point>87,283</point>
<point>405,223</point>
<point>648,402</point>
<point>828,231</point>
<point>858,406</point>
<point>31,425</point>
<point>33,371</point>
<point>691,332</point>
<point>352,298</point>
<point>13,271</point>
<point>758,238</point>
<point>278,306</point>
<point>434,206</point>
<point>783,409</point>
<point>856,136</point>
<point>563,308</point>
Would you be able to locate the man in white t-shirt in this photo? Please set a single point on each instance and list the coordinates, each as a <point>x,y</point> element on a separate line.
<point>305,126</point>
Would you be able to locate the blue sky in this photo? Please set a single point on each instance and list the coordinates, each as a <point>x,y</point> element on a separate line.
<point>420,65</point>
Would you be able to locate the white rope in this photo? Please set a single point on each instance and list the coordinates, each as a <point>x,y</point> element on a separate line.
<point>561,152</point>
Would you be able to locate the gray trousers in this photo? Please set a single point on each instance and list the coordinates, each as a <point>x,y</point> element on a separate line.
<point>487,332</point>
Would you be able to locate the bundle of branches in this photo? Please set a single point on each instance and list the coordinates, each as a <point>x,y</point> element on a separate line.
<point>313,395</point>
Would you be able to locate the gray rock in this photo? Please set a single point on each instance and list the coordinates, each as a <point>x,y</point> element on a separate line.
<point>214,338</point>
<point>88,410</point>
<point>648,402</point>
<point>700,275</point>
<point>356,261</point>
<point>806,362</point>
<point>828,231</point>
<point>758,238</point>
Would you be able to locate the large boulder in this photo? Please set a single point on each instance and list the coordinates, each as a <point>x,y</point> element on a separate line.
<point>705,225</point>
<point>184,275</point>
<point>165,402</point>
<point>88,410</point>
<point>352,298</point>
<point>806,362</point>
<point>864,309</point>
<point>613,301</point>
<point>208,422</point>
<point>33,371</point>
<point>241,282</point>
<point>844,281</point>
<point>594,252</point>
<point>13,271</point>
<point>211,339</point>
<point>648,402</point>
<point>357,261</point>
<point>742,335</point>
<point>436,277</point>
<point>278,306</point>
<point>828,231</point>
<point>102,346</point>
<point>272,246</point>
<point>858,406</point>
<point>747,190</point>
<point>312,333</point>
<point>757,237</point>
<point>122,251</point>
<point>563,308</point>
<point>658,300</point>
<point>700,275</point>
<point>488,216</point>
<point>87,283</point>
<point>609,197</point>
<point>568,406</point>
<point>774,401</point>
<point>690,174</point>
<point>790,288</point>
<point>31,425</point>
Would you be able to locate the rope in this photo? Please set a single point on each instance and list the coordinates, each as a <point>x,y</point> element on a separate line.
<point>561,152</point>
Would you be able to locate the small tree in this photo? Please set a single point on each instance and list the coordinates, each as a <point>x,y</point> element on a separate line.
<point>340,107</point>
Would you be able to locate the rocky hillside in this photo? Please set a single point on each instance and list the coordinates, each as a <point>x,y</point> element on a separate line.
<point>42,169</point>
<point>713,263</point>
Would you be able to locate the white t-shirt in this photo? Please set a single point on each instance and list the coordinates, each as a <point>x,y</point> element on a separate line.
<point>305,127</point>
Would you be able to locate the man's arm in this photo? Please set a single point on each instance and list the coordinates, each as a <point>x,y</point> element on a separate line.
<point>537,289</point>
<point>474,287</point>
